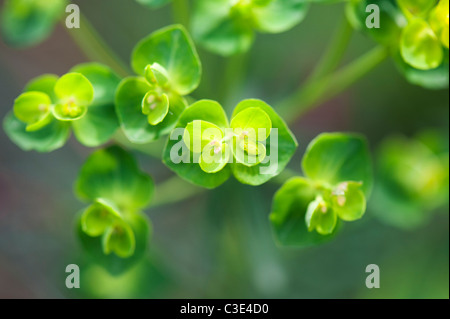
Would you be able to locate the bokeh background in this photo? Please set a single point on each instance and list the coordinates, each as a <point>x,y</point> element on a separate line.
<point>218,244</point>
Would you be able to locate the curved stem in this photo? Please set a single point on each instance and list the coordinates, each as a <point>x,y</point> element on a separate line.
<point>335,51</point>
<point>317,92</point>
<point>180,12</point>
<point>95,48</point>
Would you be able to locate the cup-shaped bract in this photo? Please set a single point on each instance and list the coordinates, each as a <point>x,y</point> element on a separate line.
<point>113,225</point>
<point>227,27</point>
<point>203,147</point>
<point>149,105</point>
<point>337,183</point>
<point>50,106</point>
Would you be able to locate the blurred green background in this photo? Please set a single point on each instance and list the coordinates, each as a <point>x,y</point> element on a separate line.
<point>219,244</point>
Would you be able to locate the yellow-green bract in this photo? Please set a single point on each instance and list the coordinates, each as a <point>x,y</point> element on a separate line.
<point>113,226</point>
<point>281,144</point>
<point>227,27</point>
<point>50,106</point>
<point>149,105</point>
<point>338,180</point>
<point>416,32</point>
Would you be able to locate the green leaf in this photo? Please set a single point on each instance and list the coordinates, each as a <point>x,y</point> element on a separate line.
<point>412,179</point>
<point>155,106</point>
<point>333,158</point>
<point>74,93</point>
<point>349,201</point>
<point>277,16</point>
<point>177,155</point>
<point>155,74</point>
<point>100,121</point>
<point>129,96</point>
<point>154,3</point>
<point>112,174</point>
<point>45,84</point>
<point>119,239</point>
<point>33,108</point>
<point>439,21</point>
<point>391,20</point>
<point>217,30</point>
<point>320,217</point>
<point>215,157</point>
<point>98,217</point>
<point>198,134</point>
<point>172,49</point>
<point>281,146</point>
<point>435,79</point>
<point>253,120</point>
<point>248,152</point>
<point>141,227</point>
<point>47,139</point>
<point>102,78</point>
<point>75,86</point>
<point>28,22</point>
<point>288,216</point>
<point>420,47</point>
<point>413,172</point>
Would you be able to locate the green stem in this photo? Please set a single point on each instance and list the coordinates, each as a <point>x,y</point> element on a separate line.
<point>174,190</point>
<point>233,76</point>
<point>180,12</point>
<point>95,49</point>
<point>335,51</point>
<point>315,93</point>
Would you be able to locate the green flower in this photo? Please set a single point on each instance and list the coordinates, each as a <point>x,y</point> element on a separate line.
<point>307,210</point>
<point>212,148</point>
<point>113,225</point>
<point>417,34</point>
<point>44,114</point>
<point>413,178</point>
<point>28,22</point>
<point>227,27</point>
<point>148,106</point>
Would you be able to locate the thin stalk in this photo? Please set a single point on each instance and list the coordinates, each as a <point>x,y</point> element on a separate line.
<point>335,51</point>
<point>322,90</point>
<point>180,12</point>
<point>233,76</point>
<point>94,47</point>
